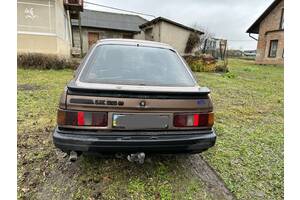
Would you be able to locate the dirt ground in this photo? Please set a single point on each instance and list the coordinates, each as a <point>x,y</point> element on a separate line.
<point>49,175</point>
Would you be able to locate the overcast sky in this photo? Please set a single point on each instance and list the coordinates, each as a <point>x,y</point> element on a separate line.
<point>228,19</point>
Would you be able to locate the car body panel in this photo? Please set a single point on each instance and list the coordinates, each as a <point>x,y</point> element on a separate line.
<point>132,101</point>
<point>135,141</point>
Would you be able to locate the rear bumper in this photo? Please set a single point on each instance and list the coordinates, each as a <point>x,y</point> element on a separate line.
<point>147,141</point>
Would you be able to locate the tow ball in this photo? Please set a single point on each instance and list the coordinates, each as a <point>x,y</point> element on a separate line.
<point>137,157</point>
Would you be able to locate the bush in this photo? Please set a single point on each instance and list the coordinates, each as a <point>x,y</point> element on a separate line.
<point>205,63</point>
<point>221,68</point>
<point>44,61</point>
<point>197,66</point>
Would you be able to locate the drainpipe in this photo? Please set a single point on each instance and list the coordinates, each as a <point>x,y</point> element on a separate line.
<point>252,37</point>
<point>80,35</point>
<point>72,34</point>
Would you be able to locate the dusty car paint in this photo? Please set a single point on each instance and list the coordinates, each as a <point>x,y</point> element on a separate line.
<point>142,101</point>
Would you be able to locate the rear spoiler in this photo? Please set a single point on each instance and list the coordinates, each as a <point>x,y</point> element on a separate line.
<point>75,90</point>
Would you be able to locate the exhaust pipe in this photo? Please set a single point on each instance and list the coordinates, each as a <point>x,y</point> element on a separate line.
<point>119,155</point>
<point>73,156</point>
<point>137,157</point>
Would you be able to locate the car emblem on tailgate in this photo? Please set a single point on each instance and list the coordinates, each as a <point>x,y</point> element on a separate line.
<point>109,102</point>
<point>143,103</point>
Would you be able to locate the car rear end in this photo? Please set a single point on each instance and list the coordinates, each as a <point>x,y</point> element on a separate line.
<point>148,117</point>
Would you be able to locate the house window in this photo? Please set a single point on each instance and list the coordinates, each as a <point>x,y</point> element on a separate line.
<point>281,26</point>
<point>273,48</point>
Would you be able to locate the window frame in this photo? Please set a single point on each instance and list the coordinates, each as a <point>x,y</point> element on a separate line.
<point>92,52</point>
<point>270,49</point>
<point>281,25</point>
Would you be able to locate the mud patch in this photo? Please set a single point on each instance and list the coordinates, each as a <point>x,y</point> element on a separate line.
<point>60,181</point>
<point>207,174</point>
<point>29,87</point>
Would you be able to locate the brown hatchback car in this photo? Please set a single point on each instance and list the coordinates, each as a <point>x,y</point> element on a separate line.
<point>134,96</point>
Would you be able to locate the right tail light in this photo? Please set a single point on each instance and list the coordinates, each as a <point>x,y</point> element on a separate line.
<point>194,120</point>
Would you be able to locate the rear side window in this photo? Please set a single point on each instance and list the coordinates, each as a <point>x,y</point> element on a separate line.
<point>136,65</point>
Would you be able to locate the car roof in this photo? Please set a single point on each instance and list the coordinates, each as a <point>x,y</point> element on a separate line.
<point>135,42</point>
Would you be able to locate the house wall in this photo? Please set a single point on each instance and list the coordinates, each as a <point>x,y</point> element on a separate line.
<point>176,36</point>
<point>29,43</point>
<point>139,36</point>
<point>168,33</point>
<point>63,30</point>
<point>152,32</point>
<point>43,27</point>
<point>103,34</point>
<point>271,23</point>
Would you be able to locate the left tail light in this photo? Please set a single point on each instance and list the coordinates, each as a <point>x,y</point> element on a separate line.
<point>80,118</point>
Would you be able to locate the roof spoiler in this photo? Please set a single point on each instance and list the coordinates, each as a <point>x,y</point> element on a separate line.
<point>75,90</point>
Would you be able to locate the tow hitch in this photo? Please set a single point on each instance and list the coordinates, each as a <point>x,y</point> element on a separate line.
<point>73,156</point>
<point>137,157</point>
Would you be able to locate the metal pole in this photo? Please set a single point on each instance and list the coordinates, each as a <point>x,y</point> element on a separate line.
<point>225,54</point>
<point>72,34</point>
<point>204,47</point>
<point>221,53</point>
<point>80,34</point>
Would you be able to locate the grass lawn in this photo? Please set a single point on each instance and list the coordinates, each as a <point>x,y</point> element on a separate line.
<point>248,155</point>
<point>249,122</point>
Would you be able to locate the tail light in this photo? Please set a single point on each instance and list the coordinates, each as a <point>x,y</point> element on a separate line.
<point>74,118</point>
<point>194,120</point>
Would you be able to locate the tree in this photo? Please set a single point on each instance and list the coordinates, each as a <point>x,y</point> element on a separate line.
<point>192,42</point>
<point>204,38</point>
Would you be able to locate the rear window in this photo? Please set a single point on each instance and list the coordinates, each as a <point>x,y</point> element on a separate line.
<point>135,65</point>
